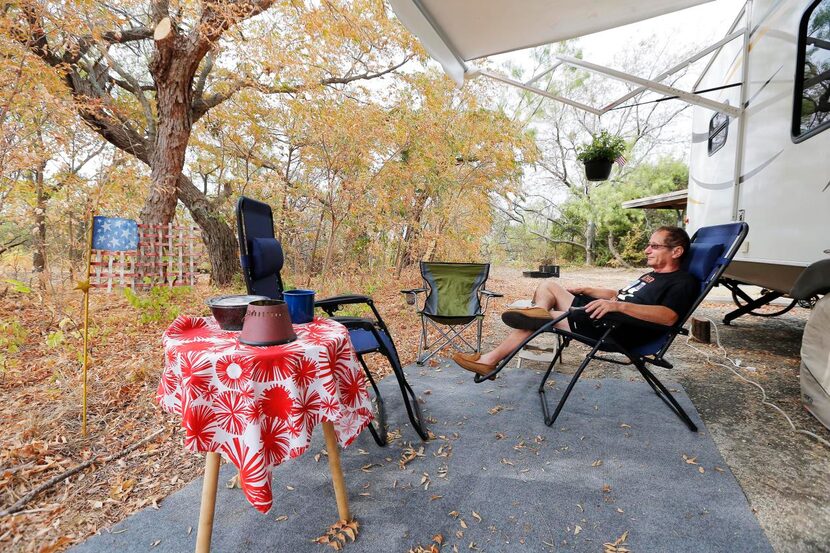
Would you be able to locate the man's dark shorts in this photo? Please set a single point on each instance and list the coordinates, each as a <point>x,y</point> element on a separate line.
<point>580,322</point>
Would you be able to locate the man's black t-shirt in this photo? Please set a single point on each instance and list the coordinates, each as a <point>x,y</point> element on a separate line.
<point>676,290</point>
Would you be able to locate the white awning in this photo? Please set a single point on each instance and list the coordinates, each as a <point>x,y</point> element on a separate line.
<point>456,31</point>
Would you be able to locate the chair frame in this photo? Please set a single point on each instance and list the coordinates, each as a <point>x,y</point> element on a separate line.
<point>330,306</point>
<point>448,336</point>
<point>606,343</point>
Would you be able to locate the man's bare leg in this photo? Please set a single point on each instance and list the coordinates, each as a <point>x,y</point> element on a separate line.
<point>552,296</point>
<point>548,295</point>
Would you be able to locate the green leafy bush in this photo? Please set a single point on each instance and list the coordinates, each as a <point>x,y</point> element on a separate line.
<point>54,339</point>
<point>12,336</point>
<point>156,305</point>
<point>18,286</point>
<point>604,146</point>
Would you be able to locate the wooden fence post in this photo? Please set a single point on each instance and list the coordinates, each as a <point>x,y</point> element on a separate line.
<point>192,255</point>
<point>170,270</point>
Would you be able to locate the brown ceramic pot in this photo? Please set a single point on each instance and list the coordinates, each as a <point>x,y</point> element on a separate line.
<point>267,323</point>
<point>229,311</point>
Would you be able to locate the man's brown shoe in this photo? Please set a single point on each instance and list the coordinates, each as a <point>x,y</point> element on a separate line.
<point>526,318</point>
<point>469,361</point>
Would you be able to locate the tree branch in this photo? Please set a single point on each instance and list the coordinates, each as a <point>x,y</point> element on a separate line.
<point>20,503</point>
<point>13,243</point>
<point>137,91</point>
<point>202,105</point>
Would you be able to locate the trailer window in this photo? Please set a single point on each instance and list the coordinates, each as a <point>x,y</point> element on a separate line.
<point>718,129</point>
<point>811,112</point>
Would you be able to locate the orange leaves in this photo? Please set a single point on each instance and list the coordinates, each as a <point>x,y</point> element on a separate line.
<point>339,534</point>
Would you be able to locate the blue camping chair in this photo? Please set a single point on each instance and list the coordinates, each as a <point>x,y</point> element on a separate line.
<point>262,260</point>
<point>711,251</point>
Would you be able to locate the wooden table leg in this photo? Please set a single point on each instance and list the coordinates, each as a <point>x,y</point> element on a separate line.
<point>208,503</point>
<point>336,472</point>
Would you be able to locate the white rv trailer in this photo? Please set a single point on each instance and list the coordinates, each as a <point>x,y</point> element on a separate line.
<point>746,161</point>
<point>767,167</point>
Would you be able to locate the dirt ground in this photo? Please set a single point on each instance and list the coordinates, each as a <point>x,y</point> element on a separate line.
<point>785,475</point>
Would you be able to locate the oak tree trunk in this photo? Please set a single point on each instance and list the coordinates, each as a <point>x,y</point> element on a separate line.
<point>217,235</point>
<point>329,249</point>
<point>39,253</point>
<point>590,239</point>
<point>174,78</point>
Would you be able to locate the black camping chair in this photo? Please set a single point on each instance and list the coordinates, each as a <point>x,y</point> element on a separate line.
<point>711,251</point>
<point>453,303</point>
<point>262,259</point>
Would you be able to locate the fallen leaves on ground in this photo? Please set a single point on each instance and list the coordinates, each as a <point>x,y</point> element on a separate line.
<point>434,547</point>
<point>409,454</point>
<point>339,534</point>
<point>617,546</point>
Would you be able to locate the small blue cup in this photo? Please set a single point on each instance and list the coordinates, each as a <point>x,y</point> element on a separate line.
<point>300,305</point>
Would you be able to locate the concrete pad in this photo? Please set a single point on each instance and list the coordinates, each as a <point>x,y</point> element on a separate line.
<point>494,476</point>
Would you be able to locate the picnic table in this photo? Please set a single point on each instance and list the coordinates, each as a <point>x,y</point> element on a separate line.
<point>258,406</point>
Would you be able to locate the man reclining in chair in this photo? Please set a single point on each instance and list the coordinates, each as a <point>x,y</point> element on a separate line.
<point>661,296</point>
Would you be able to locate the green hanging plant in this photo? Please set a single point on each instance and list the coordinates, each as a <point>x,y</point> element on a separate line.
<point>604,146</point>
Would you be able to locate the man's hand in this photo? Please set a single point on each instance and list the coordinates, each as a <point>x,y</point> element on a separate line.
<point>576,290</point>
<point>597,309</point>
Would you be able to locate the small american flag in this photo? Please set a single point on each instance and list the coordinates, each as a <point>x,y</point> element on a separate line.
<point>621,161</point>
<point>114,234</point>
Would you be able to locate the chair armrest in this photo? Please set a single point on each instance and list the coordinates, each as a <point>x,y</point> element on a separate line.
<point>628,320</point>
<point>356,322</point>
<point>492,294</point>
<point>343,300</point>
<point>414,291</point>
<point>412,296</point>
<point>333,304</point>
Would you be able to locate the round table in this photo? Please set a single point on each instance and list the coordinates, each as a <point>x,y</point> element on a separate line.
<point>257,406</point>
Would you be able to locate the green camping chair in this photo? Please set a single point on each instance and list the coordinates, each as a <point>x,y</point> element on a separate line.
<point>453,303</point>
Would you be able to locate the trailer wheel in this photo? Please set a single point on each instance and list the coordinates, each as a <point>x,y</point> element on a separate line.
<point>809,303</point>
<point>740,303</point>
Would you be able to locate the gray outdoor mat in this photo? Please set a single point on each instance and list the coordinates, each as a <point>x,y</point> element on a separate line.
<point>495,477</point>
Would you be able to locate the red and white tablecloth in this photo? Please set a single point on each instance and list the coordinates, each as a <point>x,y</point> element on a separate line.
<point>259,405</point>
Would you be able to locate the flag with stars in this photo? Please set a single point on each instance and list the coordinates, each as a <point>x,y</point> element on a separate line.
<point>114,234</point>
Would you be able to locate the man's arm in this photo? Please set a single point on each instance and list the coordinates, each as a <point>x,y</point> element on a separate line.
<point>601,293</point>
<point>651,313</point>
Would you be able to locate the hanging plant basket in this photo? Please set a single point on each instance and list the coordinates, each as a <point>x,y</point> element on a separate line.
<point>598,169</point>
<point>599,155</point>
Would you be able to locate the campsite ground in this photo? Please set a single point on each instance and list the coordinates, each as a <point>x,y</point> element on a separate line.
<point>786,476</point>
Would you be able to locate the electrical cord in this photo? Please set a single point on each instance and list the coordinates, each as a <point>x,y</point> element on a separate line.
<point>737,364</point>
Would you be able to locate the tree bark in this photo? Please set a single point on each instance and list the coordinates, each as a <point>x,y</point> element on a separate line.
<point>217,235</point>
<point>612,247</point>
<point>317,233</point>
<point>590,240</point>
<point>330,246</point>
<point>39,253</point>
<point>173,70</point>
<point>413,232</point>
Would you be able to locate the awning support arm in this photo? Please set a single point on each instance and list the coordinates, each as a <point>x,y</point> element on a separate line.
<point>672,70</point>
<point>546,94</point>
<point>687,97</point>
<point>543,73</point>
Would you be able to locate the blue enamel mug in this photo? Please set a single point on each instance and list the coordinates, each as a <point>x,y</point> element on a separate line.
<point>300,305</point>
